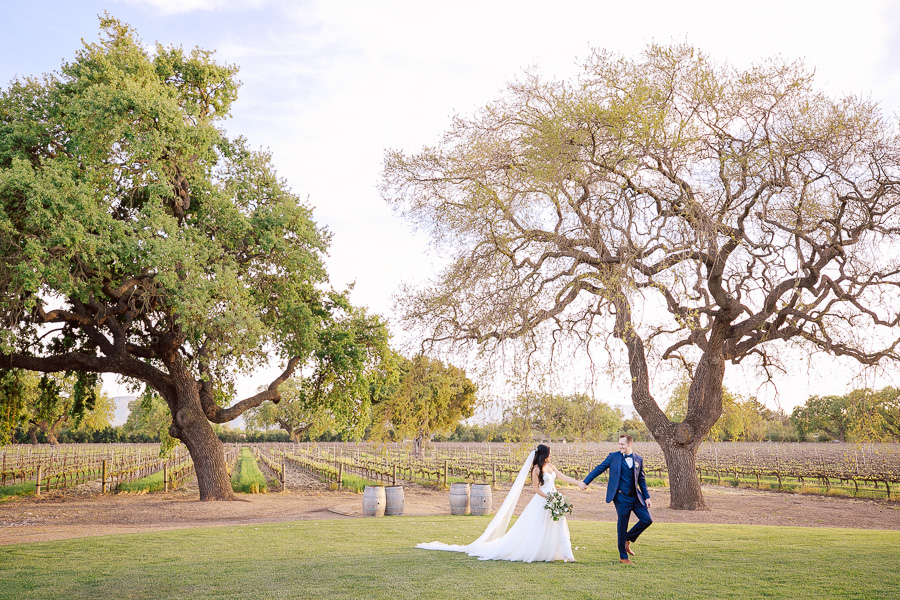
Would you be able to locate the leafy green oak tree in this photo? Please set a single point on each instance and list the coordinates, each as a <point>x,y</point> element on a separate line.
<point>50,402</point>
<point>571,417</point>
<point>355,367</point>
<point>137,238</point>
<point>888,414</point>
<point>861,415</point>
<point>669,210</point>
<point>149,417</point>
<point>428,396</point>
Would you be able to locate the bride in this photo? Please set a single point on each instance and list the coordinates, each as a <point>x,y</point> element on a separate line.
<point>535,536</point>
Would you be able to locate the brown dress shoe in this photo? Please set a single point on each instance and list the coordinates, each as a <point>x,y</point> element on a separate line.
<point>625,561</point>
<point>628,548</point>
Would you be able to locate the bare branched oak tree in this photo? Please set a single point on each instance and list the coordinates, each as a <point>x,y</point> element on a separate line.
<point>699,214</point>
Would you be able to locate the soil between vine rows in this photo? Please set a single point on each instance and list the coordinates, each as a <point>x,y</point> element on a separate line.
<point>84,512</point>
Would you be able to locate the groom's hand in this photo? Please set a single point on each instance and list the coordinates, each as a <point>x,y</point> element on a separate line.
<point>582,486</point>
<point>649,504</point>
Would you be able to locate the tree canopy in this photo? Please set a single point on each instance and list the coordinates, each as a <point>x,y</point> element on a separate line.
<point>697,213</point>
<point>428,396</point>
<point>571,417</point>
<point>137,238</point>
<point>861,415</point>
<point>354,368</point>
<point>50,402</point>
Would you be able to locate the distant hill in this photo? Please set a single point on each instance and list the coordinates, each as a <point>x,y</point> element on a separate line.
<point>121,414</point>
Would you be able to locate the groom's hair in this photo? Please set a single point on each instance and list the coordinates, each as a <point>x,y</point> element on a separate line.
<point>627,437</point>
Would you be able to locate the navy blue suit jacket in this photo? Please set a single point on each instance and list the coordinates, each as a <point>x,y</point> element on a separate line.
<point>614,463</point>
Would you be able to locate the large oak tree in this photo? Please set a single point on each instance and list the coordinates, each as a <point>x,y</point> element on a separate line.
<point>701,214</point>
<point>425,396</point>
<point>137,238</point>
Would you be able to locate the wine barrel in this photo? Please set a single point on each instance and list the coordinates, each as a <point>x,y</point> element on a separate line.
<point>393,500</point>
<point>480,500</point>
<point>373,501</point>
<point>459,498</point>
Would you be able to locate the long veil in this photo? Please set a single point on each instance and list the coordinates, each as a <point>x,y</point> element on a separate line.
<point>497,527</point>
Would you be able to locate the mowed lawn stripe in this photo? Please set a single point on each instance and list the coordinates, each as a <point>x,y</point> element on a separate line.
<point>375,558</point>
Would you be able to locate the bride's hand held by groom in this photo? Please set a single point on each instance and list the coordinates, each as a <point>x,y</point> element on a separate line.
<point>569,480</point>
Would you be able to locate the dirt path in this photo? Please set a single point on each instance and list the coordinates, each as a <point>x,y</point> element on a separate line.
<point>82,512</point>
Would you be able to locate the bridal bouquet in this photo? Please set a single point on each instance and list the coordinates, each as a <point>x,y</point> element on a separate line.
<point>558,505</point>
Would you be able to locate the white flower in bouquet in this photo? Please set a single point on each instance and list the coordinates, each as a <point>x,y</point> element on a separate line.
<point>558,505</point>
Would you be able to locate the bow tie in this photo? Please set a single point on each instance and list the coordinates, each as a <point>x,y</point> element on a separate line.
<point>627,456</point>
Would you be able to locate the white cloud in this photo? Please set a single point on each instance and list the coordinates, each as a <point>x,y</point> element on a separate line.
<point>175,7</point>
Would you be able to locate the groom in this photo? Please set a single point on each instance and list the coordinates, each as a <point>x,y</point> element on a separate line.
<point>627,490</point>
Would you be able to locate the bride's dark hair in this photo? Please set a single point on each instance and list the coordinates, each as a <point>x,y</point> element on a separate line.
<point>541,454</point>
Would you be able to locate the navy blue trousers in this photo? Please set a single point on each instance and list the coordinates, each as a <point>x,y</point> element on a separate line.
<point>625,505</point>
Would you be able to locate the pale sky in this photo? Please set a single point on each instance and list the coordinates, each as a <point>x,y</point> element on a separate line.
<point>329,85</point>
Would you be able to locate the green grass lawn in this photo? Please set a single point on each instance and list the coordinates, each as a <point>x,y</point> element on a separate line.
<point>246,473</point>
<point>151,483</point>
<point>357,483</point>
<point>24,488</point>
<point>375,558</point>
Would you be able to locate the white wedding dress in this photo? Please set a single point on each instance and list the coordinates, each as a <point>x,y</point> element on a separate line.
<point>535,536</point>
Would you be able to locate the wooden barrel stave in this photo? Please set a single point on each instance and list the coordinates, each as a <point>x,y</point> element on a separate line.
<point>481,499</point>
<point>373,501</point>
<point>459,499</point>
<point>393,500</point>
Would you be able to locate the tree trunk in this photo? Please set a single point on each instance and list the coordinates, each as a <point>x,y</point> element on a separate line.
<point>190,425</point>
<point>684,480</point>
<point>419,444</point>
<point>32,435</point>
<point>679,441</point>
<point>208,455</point>
<point>293,432</point>
<point>48,431</point>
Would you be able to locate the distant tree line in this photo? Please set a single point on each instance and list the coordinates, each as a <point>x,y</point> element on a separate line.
<point>554,417</point>
<point>742,420</point>
<point>430,399</point>
<point>861,415</point>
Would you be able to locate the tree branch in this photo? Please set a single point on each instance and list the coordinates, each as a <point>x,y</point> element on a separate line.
<point>217,414</point>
